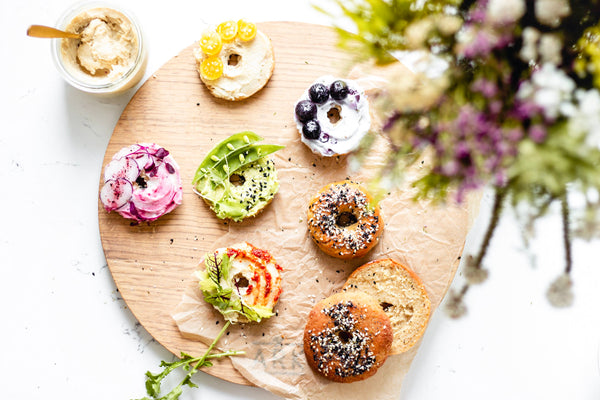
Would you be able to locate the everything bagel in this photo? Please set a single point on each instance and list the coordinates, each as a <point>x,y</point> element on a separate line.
<point>344,221</point>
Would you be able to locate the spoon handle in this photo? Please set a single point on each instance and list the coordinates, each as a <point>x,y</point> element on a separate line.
<point>41,31</point>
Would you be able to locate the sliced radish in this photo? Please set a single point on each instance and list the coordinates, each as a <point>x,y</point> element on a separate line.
<point>143,159</point>
<point>122,168</point>
<point>125,151</point>
<point>115,193</point>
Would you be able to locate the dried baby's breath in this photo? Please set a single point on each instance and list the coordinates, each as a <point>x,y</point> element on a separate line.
<point>560,292</point>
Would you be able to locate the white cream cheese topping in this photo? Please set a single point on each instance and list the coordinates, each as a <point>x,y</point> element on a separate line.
<point>343,135</point>
<point>247,67</point>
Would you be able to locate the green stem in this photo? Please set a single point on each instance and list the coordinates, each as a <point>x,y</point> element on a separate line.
<point>566,232</point>
<point>226,354</point>
<point>207,353</point>
<point>496,212</point>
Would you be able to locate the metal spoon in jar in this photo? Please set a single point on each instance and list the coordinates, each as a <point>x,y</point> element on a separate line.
<point>41,31</point>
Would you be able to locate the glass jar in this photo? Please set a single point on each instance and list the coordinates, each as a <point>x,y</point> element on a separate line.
<point>109,80</point>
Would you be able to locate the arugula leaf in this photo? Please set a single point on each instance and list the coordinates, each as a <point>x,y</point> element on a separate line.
<point>188,363</point>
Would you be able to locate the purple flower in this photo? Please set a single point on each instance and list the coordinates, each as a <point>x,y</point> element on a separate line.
<point>500,178</point>
<point>463,153</point>
<point>537,133</point>
<point>477,16</point>
<point>514,134</point>
<point>486,87</point>
<point>504,40</point>
<point>478,13</point>
<point>525,110</point>
<point>481,45</point>
<point>450,168</point>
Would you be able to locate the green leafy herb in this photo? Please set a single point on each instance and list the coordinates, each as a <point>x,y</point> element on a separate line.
<point>188,363</point>
<point>214,285</point>
<point>217,289</point>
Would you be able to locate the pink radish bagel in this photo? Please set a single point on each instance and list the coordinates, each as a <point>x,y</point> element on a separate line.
<point>142,183</point>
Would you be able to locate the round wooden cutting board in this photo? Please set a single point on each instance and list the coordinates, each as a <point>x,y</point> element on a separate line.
<point>151,262</point>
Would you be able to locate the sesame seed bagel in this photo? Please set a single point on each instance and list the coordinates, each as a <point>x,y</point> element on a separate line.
<point>344,221</point>
<point>347,337</point>
<point>400,293</point>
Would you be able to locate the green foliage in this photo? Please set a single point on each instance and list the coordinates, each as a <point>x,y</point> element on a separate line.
<point>216,286</point>
<point>214,283</point>
<point>434,186</point>
<point>381,24</point>
<point>562,161</point>
<point>187,363</point>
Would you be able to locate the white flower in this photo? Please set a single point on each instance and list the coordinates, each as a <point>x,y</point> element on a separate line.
<point>449,24</point>
<point>560,292</point>
<point>550,48</point>
<point>586,116</point>
<point>502,12</point>
<point>418,32</point>
<point>551,89</point>
<point>551,12</point>
<point>530,44</point>
<point>422,62</point>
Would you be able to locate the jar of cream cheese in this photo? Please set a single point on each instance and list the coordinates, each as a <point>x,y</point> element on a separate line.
<point>110,57</point>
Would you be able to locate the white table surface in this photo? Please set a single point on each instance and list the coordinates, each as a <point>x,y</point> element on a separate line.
<point>67,333</point>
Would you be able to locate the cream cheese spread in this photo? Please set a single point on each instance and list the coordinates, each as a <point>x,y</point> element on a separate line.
<point>108,48</point>
<point>343,123</point>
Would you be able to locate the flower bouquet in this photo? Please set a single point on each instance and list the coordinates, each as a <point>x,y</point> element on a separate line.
<point>506,96</point>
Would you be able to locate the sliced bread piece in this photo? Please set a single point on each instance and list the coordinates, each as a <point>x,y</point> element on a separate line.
<point>400,293</point>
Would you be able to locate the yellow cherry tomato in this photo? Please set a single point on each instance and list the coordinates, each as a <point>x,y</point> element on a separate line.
<point>211,68</point>
<point>246,30</point>
<point>227,30</point>
<point>210,42</point>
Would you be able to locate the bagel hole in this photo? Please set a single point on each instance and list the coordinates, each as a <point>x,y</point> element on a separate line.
<point>334,114</point>
<point>240,281</point>
<point>344,336</point>
<point>237,179</point>
<point>386,306</point>
<point>234,59</point>
<point>346,219</point>
<point>141,182</point>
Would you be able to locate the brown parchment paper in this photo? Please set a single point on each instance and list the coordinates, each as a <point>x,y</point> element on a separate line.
<point>427,238</point>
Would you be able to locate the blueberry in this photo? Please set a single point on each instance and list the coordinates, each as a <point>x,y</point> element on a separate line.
<point>311,129</point>
<point>306,110</point>
<point>338,90</point>
<point>318,93</point>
